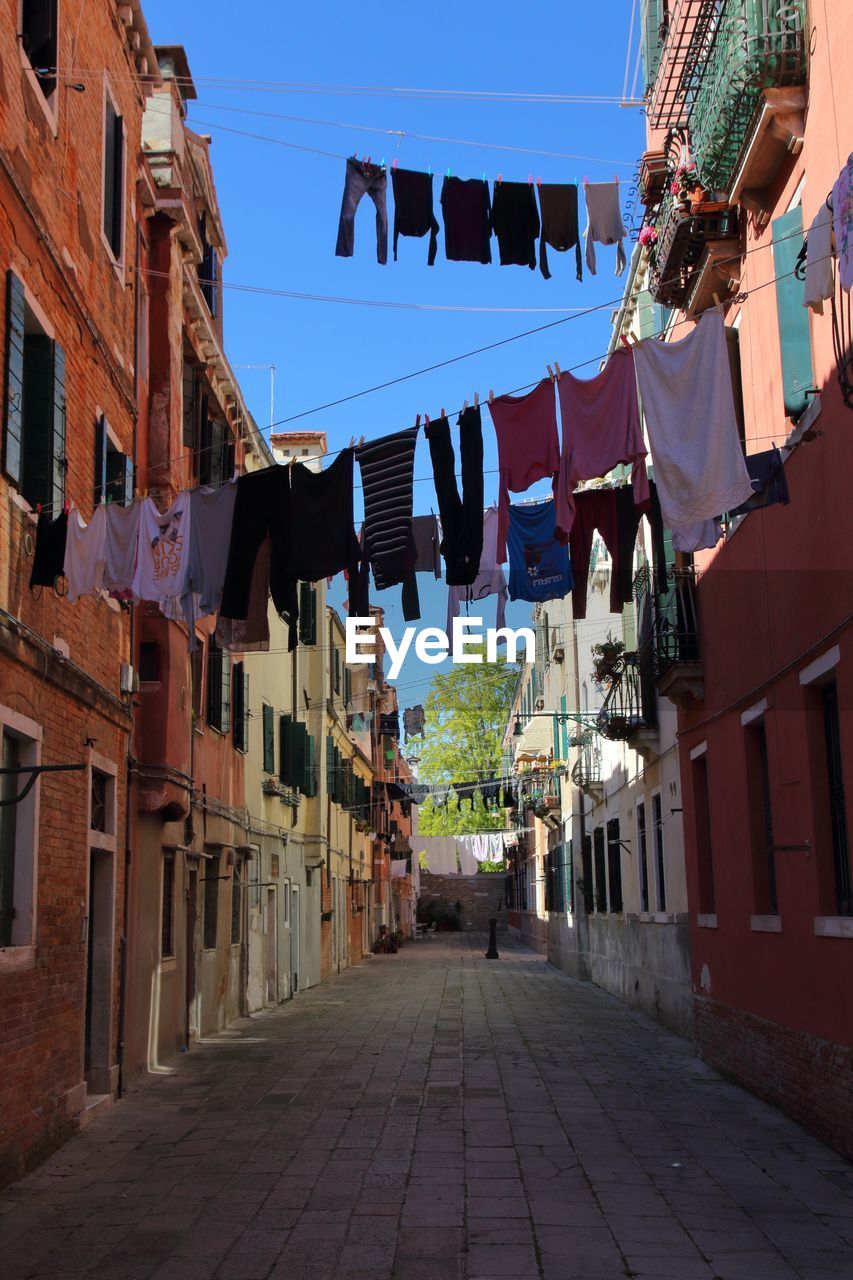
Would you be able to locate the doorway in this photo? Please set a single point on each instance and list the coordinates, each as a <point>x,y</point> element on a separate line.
<point>271,930</point>
<point>191,936</point>
<point>294,939</point>
<point>100,933</point>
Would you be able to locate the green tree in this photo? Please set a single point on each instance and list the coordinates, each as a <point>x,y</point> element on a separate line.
<point>466,714</point>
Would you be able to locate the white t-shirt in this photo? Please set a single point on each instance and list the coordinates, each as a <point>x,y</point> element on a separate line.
<point>85,553</point>
<point>163,550</point>
<point>122,525</point>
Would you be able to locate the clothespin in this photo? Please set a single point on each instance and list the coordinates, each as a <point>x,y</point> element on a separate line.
<point>539,182</point>
<point>530,179</point>
<point>623,338</point>
<point>476,399</point>
<point>418,420</point>
<point>500,178</point>
<point>550,372</point>
<point>491,395</point>
<point>557,371</point>
<point>66,506</point>
<point>448,173</point>
<point>484,175</point>
<point>717,302</point>
<point>442,411</point>
<point>465,407</point>
<point>585,181</point>
<point>382,163</point>
<point>361,442</point>
<point>351,444</point>
<point>394,164</point>
<point>429,170</point>
<point>38,508</point>
<point>616,179</point>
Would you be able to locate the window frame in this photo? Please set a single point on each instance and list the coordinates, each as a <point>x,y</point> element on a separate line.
<point>49,102</point>
<point>117,259</point>
<point>268,737</point>
<point>169,859</point>
<point>658,851</point>
<point>641,825</point>
<point>19,951</point>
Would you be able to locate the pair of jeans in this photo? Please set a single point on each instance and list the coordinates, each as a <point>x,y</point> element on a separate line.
<point>615,515</point>
<point>461,518</point>
<point>363,179</point>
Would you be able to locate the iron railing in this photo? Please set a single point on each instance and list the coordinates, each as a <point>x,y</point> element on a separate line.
<point>676,638</point>
<point>586,771</point>
<point>757,45</point>
<point>630,703</point>
<point>688,37</point>
<point>682,237</point>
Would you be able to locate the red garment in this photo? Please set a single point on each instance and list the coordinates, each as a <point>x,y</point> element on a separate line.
<point>601,430</point>
<point>528,446</point>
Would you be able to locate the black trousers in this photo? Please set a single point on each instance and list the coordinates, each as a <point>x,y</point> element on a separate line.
<point>262,507</point>
<point>461,518</point>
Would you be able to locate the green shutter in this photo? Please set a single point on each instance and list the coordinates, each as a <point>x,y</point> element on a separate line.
<point>285,749</point>
<point>269,738</point>
<point>300,752</point>
<point>653,12</point>
<point>794,334</point>
<point>556,738</point>
<point>241,707</point>
<point>59,462</point>
<point>226,692</point>
<point>337,671</point>
<point>564,736</point>
<point>14,397</point>
<point>37,443</point>
<point>307,613</point>
<point>347,686</point>
<point>311,766</point>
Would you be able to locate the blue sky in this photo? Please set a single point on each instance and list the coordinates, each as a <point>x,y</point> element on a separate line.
<point>280,206</point>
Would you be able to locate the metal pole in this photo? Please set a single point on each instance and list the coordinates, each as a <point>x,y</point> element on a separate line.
<point>492,953</point>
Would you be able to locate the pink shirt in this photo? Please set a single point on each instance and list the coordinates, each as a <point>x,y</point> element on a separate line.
<point>528,446</point>
<point>601,430</point>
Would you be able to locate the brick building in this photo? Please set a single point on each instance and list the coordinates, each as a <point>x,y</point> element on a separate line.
<point>71,324</point>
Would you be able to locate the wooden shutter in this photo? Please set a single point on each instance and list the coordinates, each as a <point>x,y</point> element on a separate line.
<point>310,765</point>
<point>307,613</point>
<point>112,177</point>
<point>653,13</point>
<point>337,671</point>
<point>793,318</point>
<point>330,767</point>
<point>285,750</point>
<point>214,685</point>
<point>269,738</point>
<point>13,416</point>
<point>37,439</point>
<point>59,463</point>
<point>226,691</point>
<point>347,686</point>
<point>300,753</point>
<point>241,707</point>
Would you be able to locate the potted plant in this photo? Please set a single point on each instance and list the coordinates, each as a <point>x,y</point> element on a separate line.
<point>605,656</point>
<point>686,187</point>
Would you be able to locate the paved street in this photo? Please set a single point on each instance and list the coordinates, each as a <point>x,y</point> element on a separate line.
<point>435,1116</point>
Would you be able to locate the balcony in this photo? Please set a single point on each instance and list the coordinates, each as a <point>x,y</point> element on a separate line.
<point>745,108</point>
<point>586,771</point>
<point>629,708</point>
<point>678,662</point>
<point>690,33</point>
<point>687,235</point>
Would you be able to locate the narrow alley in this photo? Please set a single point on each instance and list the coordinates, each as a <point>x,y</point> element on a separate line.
<point>436,1116</point>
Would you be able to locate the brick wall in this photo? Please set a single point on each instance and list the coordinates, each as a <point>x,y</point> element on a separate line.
<point>810,1080</point>
<point>479,895</point>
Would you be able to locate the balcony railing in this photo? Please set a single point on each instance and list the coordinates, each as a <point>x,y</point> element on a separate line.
<point>678,659</point>
<point>586,771</point>
<point>683,234</point>
<point>689,36</point>
<point>630,704</point>
<point>757,45</point>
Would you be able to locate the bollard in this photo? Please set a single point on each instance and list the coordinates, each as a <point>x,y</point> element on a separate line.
<point>492,953</point>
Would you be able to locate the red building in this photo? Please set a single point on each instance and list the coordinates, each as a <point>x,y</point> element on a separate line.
<point>71,322</point>
<point>759,97</point>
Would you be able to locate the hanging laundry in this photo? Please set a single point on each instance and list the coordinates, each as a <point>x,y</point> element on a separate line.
<point>842,219</point>
<point>604,222</point>
<point>322,532</point>
<point>122,547</point>
<point>252,633</point>
<point>85,553</point>
<point>163,546</point>
<point>490,581</point>
<point>413,208</point>
<point>538,564</point>
<point>628,520</point>
<point>363,179</point>
<point>820,277</point>
<point>769,482</point>
<point>387,477</point>
<point>399,868</point>
<point>468,865</point>
<point>558,203</point>
<point>701,536</point>
<point>528,446</point>
<point>601,430</point>
<point>211,520</point>
<point>686,389</point>
<point>596,509</point>
<point>261,510</point>
<point>467,214</point>
<point>440,793</point>
<point>490,792</point>
<point>426,538</point>
<point>515,220</point>
<point>49,557</point>
<point>461,518</point>
<point>414,722</point>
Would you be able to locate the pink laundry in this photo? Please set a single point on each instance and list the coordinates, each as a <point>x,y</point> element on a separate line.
<point>528,446</point>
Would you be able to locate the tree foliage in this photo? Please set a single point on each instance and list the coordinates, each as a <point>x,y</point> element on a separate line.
<point>466,714</point>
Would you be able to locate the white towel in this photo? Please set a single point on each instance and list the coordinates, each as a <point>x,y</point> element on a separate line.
<point>467,862</point>
<point>686,389</point>
<point>819,282</point>
<point>604,222</point>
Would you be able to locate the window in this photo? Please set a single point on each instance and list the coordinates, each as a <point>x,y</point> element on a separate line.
<point>197,681</point>
<point>643,856</point>
<point>167,917</point>
<point>218,687</point>
<point>18,833</point>
<point>614,864</point>
<point>210,903</point>
<point>837,809</point>
<point>337,659</point>
<point>660,869</point>
<point>760,819</point>
<point>307,613</point>
<point>208,269</point>
<point>586,874</point>
<point>241,707</point>
<point>237,904</point>
<point>99,800</point>
<point>269,738</point>
<point>194,407</point>
<point>39,41</point>
<point>600,869</point>
<point>149,662</point>
<point>113,193</point>
<point>704,853</point>
<point>113,469</point>
<point>215,450</point>
<point>34,410</point>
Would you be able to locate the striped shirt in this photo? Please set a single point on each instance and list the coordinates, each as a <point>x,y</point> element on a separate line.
<point>387,476</point>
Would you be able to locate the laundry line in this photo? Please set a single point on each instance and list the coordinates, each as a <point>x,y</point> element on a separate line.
<point>400,135</point>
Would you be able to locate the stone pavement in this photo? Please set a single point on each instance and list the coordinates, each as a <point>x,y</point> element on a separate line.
<point>436,1116</point>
